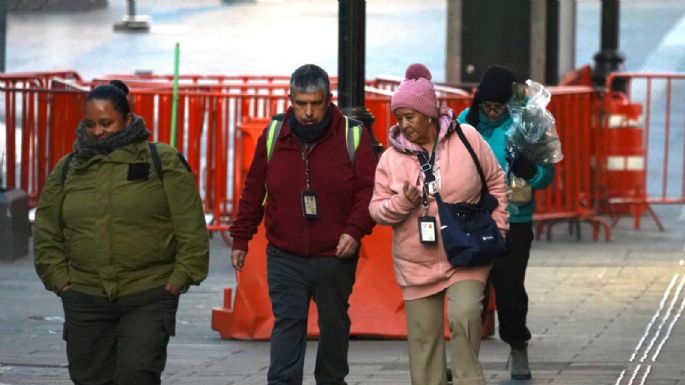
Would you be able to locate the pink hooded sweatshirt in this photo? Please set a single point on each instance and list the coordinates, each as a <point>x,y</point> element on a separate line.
<point>423,270</point>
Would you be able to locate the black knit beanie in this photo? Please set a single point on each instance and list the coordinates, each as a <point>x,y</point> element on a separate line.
<point>495,86</point>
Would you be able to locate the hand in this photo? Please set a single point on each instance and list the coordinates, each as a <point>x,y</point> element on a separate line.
<point>412,193</point>
<point>520,165</point>
<point>347,246</point>
<point>172,289</point>
<point>238,259</point>
<point>65,288</point>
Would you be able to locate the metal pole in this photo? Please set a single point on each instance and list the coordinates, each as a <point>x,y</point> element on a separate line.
<point>174,99</point>
<point>132,9</point>
<point>131,22</point>
<point>453,43</point>
<point>3,33</point>
<point>608,59</point>
<point>351,58</point>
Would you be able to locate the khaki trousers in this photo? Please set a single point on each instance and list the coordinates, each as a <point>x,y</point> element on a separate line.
<point>425,326</point>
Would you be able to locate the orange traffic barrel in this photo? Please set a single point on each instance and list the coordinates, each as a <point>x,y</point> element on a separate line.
<point>625,168</point>
<point>247,134</point>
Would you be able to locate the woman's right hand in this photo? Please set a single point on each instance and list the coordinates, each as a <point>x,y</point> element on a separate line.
<point>412,193</point>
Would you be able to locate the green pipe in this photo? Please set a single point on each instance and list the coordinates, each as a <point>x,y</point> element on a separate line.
<point>174,98</point>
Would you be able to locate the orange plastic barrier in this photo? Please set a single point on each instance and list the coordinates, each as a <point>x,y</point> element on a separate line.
<point>376,305</point>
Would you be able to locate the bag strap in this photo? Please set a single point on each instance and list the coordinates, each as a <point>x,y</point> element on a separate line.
<point>352,135</point>
<point>352,138</point>
<point>461,135</point>
<point>65,168</point>
<point>272,134</point>
<point>156,161</point>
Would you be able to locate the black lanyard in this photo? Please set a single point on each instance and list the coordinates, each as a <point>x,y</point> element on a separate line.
<point>426,165</point>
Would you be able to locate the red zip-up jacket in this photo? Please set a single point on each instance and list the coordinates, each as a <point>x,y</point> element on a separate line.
<point>343,191</point>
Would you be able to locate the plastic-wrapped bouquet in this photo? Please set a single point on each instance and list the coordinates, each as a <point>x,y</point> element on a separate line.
<point>533,130</point>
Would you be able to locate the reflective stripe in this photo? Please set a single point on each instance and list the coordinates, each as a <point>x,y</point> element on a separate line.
<point>274,130</point>
<point>271,137</point>
<point>628,163</point>
<point>622,121</point>
<point>352,139</point>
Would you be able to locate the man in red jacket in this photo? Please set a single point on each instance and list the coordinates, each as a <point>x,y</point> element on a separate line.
<point>317,189</point>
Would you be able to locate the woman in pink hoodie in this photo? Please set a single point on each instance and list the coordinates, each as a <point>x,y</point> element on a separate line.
<point>403,199</point>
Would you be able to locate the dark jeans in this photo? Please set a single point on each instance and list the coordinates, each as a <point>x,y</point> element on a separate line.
<point>121,341</point>
<point>293,282</point>
<point>508,277</point>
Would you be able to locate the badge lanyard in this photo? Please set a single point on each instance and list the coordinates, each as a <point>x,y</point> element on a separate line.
<point>310,209</point>
<point>427,224</point>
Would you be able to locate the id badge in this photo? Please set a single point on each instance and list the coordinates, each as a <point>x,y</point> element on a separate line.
<point>309,207</point>
<point>428,232</point>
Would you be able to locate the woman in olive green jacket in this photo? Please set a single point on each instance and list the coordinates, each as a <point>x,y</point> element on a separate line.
<point>118,242</point>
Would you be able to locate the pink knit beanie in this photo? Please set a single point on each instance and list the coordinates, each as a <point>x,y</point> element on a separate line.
<point>416,92</point>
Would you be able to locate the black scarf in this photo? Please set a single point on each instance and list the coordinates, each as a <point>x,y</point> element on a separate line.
<point>85,146</point>
<point>310,133</point>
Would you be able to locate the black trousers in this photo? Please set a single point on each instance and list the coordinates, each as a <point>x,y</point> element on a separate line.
<point>508,277</point>
<point>121,341</point>
<point>293,282</point>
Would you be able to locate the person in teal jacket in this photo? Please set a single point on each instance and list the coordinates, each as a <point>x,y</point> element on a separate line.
<point>489,114</point>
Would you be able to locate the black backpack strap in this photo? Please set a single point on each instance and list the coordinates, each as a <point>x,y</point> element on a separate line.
<point>474,157</point>
<point>156,161</point>
<point>65,167</point>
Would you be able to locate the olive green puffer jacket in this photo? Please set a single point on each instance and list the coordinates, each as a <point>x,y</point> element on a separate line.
<point>114,228</point>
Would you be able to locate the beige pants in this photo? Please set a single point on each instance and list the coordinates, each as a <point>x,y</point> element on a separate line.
<point>425,326</point>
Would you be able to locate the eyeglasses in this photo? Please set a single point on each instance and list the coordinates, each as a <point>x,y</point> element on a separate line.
<point>497,108</point>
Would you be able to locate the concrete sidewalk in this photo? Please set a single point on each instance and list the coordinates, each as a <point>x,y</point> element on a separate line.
<point>592,305</point>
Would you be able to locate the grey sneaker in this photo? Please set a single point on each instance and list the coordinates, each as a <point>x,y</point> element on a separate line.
<point>518,359</point>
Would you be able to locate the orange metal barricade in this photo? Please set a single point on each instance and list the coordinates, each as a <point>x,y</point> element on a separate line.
<point>570,196</point>
<point>657,158</point>
<point>37,107</point>
<point>219,120</point>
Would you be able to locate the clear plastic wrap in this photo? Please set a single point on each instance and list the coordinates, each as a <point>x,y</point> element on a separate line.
<point>533,130</point>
